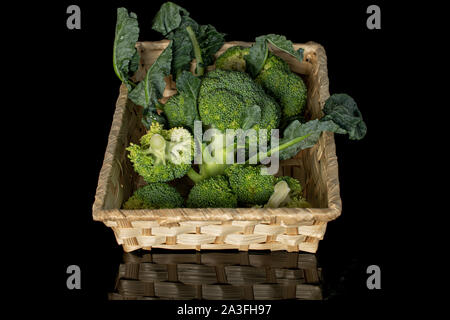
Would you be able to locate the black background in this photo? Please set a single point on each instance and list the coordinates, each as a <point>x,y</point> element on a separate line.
<point>81,89</point>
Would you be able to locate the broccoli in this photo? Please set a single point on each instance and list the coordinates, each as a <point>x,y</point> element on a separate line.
<point>285,86</point>
<point>163,155</point>
<point>287,193</point>
<point>175,112</point>
<point>154,196</point>
<point>233,59</point>
<point>214,192</point>
<point>250,186</point>
<point>224,96</point>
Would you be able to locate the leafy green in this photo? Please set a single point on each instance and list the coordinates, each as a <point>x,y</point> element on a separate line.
<point>172,22</point>
<point>151,88</point>
<point>342,109</point>
<point>182,109</point>
<point>124,52</point>
<point>168,18</point>
<point>259,51</point>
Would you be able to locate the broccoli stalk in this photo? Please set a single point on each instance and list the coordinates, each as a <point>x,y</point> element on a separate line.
<point>200,69</point>
<point>210,165</point>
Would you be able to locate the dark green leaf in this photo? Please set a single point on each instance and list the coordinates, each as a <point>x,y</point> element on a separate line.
<point>126,35</point>
<point>342,109</point>
<point>283,44</point>
<point>311,130</point>
<point>257,56</point>
<point>150,116</point>
<point>183,110</point>
<point>251,116</point>
<point>134,63</point>
<point>259,51</point>
<point>168,18</point>
<point>151,88</point>
<point>210,41</point>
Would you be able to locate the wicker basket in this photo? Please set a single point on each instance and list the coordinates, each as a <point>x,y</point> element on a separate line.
<point>218,276</point>
<point>290,229</point>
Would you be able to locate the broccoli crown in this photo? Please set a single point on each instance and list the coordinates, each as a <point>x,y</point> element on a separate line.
<point>163,155</point>
<point>174,113</point>
<point>214,192</point>
<point>284,85</point>
<point>233,59</point>
<point>249,184</point>
<point>154,196</point>
<point>224,95</point>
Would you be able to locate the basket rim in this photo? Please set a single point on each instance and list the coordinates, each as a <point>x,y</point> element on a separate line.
<point>169,216</point>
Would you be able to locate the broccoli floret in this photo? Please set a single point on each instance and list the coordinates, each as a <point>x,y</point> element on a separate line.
<point>249,184</point>
<point>233,59</point>
<point>154,196</point>
<point>287,193</point>
<point>163,155</point>
<point>174,112</point>
<point>214,192</point>
<point>285,86</point>
<point>224,95</point>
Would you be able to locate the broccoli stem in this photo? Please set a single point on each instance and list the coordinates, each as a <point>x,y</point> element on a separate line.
<point>278,148</point>
<point>199,70</point>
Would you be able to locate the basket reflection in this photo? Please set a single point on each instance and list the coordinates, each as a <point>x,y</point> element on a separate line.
<point>218,276</point>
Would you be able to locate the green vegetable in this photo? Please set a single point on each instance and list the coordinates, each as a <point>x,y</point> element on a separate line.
<point>125,53</point>
<point>342,110</point>
<point>285,86</point>
<point>154,196</point>
<point>190,40</point>
<point>259,52</point>
<point>151,88</point>
<point>250,186</point>
<point>287,193</point>
<point>214,192</point>
<point>225,95</point>
<point>163,155</point>
<point>181,108</point>
<point>233,59</point>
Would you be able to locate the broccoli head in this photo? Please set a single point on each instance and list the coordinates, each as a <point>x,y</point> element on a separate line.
<point>233,59</point>
<point>224,96</point>
<point>163,155</point>
<point>154,196</point>
<point>249,184</point>
<point>175,113</point>
<point>213,192</point>
<point>284,85</point>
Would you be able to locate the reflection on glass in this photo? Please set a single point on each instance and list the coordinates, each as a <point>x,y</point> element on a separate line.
<point>218,276</point>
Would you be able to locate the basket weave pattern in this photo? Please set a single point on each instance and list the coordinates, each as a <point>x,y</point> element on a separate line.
<point>218,276</point>
<point>290,229</point>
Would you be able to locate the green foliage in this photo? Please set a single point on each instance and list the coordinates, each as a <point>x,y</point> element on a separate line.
<point>233,59</point>
<point>249,184</point>
<point>225,95</point>
<point>181,108</point>
<point>342,110</point>
<point>124,51</point>
<point>259,52</point>
<point>155,196</point>
<point>163,155</point>
<point>214,192</point>
<point>151,88</point>
<point>190,40</point>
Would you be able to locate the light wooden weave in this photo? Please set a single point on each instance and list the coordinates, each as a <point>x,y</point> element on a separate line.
<point>290,229</point>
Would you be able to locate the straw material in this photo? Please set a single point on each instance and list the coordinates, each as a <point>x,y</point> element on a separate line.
<point>218,276</point>
<point>290,229</point>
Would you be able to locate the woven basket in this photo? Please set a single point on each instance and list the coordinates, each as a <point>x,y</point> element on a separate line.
<point>218,276</point>
<point>290,229</point>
